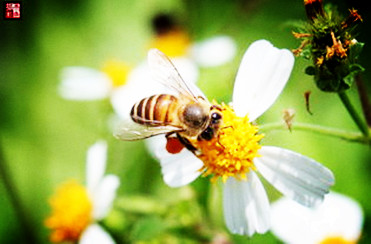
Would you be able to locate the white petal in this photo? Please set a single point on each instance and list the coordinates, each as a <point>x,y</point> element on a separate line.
<point>294,175</point>
<point>139,85</point>
<point>177,169</point>
<point>246,206</point>
<point>124,98</point>
<point>186,68</point>
<point>291,222</point>
<point>95,164</point>
<point>156,146</point>
<point>214,51</point>
<point>81,83</point>
<point>337,216</point>
<point>180,169</point>
<point>104,195</point>
<point>345,214</point>
<point>262,75</point>
<point>95,234</point>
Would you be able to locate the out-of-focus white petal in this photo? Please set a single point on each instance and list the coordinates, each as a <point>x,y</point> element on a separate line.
<point>180,169</point>
<point>139,85</point>
<point>95,234</point>
<point>337,216</point>
<point>214,51</point>
<point>156,146</point>
<point>95,165</point>
<point>124,98</point>
<point>294,175</point>
<point>82,83</point>
<point>177,169</point>
<point>187,69</point>
<point>104,195</point>
<point>261,77</point>
<point>246,206</point>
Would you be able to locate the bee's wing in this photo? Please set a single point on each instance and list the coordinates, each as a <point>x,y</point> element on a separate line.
<point>128,130</point>
<point>165,72</point>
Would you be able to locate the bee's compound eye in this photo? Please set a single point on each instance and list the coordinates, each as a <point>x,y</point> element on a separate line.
<point>215,117</point>
<point>207,134</point>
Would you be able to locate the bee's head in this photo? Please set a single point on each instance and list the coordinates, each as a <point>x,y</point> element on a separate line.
<point>214,123</point>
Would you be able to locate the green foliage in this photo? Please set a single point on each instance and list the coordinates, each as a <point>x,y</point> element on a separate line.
<point>148,228</point>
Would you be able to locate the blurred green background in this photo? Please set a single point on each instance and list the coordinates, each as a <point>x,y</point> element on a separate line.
<point>44,138</point>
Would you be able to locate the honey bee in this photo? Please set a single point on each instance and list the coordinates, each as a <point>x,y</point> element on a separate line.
<point>185,115</point>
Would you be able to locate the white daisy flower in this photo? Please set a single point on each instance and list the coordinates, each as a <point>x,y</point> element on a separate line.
<point>214,51</point>
<point>87,84</point>
<point>236,155</point>
<point>338,220</point>
<point>172,39</point>
<point>210,52</point>
<point>77,208</point>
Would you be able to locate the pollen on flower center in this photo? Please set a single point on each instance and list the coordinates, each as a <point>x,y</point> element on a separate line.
<point>337,240</point>
<point>71,212</point>
<point>232,151</point>
<point>117,71</point>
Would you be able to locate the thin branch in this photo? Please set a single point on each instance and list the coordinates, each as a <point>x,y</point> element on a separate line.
<point>322,130</point>
<point>353,113</point>
<point>365,102</point>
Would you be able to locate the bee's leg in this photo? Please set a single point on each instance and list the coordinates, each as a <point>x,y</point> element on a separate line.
<point>220,144</point>
<point>217,107</point>
<point>187,144</point>
<point>223,128</point>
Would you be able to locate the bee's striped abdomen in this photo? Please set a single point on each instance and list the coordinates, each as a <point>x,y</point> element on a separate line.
<point>155,110</point>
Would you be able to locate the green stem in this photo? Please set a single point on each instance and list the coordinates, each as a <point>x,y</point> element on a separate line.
<point>28,235</point>
<point>363,97</point>
<point>342,134</point>
<point>353,113</point>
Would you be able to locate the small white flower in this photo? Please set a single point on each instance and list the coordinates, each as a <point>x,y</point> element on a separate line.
<point>172,39</point>
<point>262,76</point>
<point>101,188</point>
<point>83,83</point>
<point>339,218</point>
<point>213,51</point>
<point>87,84</point>
<point>76,209</point>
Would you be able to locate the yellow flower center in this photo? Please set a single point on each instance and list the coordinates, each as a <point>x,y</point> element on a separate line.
<point>117,71</point>
<point>232,151</point>
<point>173,43</point>
<point>337,240</point>
<point>71,212</point>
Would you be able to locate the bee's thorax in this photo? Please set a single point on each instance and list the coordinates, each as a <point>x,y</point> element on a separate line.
<point>195,116</point>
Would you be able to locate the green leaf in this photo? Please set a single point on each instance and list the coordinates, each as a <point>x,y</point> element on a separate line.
<point>354,69</point>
